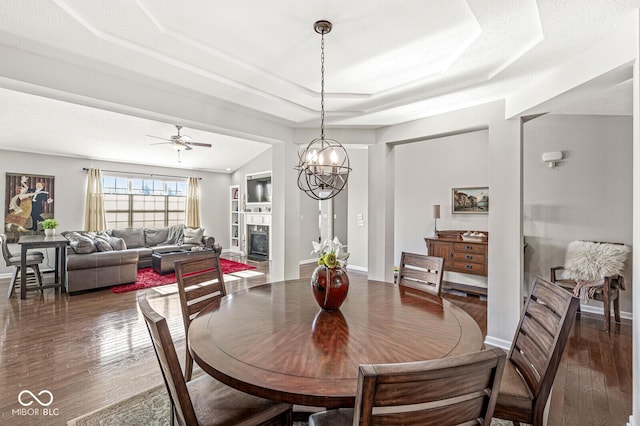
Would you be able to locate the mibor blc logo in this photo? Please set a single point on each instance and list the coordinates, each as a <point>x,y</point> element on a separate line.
<point>35,404</point>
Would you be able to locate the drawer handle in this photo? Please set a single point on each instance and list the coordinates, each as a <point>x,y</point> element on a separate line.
<point>468,257</point>
<point>468,247</point>
<point>468,266</point>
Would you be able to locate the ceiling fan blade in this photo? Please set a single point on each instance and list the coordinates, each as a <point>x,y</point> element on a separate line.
<point>162,143</point>
<point>158,137</point>
<point>187,147</point>
<point>206,145</point>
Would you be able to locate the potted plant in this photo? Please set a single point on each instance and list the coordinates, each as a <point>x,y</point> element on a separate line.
<point>49,226</point>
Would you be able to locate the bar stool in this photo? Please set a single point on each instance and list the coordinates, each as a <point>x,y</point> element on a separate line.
<point>34,259</point>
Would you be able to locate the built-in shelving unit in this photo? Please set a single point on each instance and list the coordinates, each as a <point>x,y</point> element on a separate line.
<point>235,236</point>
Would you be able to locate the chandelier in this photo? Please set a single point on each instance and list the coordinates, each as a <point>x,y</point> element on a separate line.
<point>323,166</point>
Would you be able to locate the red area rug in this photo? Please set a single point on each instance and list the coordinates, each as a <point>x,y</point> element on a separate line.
<point>147,278</point>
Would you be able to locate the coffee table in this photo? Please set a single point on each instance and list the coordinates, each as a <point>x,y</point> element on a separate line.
<point>163,263</point>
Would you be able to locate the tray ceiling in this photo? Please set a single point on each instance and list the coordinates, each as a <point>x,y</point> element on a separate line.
<point>386,62</point>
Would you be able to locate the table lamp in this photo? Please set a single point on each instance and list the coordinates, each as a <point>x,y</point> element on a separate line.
<point>436,216</point>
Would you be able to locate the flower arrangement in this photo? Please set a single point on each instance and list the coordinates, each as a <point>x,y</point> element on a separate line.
<point>49,223</point>
<point>332,253</point>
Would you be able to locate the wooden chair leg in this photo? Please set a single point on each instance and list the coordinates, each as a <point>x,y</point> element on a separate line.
<point>188,366</point>
<point>607,315</point>
<point>38,275</point>
<point>12,284</point>
<point>616,308</point>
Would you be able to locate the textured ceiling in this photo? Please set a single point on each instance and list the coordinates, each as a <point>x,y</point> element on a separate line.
<point>385,63</point>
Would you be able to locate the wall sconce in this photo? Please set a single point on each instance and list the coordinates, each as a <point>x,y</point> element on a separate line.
<point>436,216</point>
<point>552,158</point>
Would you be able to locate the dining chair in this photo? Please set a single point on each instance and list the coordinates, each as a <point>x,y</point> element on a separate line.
<point>535,353</point>
<point>34,259</point>
<point>200,282</point>
<point>421,272</point>
<point>204,400</point>
<point>593,273</point>
<point>445,391</point>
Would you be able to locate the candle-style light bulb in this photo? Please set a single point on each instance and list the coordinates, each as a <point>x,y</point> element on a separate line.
<point>334,157</point>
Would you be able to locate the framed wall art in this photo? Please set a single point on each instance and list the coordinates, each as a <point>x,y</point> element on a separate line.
<point>470,200</point>
<point>28,201</point>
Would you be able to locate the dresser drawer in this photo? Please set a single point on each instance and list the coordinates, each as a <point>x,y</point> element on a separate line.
<point>469,268</point>
<point>469,257</point>
<point>470,248</point>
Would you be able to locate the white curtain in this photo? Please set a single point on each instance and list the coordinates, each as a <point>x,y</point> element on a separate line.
<point>192,211</point>
<point>94,217</point>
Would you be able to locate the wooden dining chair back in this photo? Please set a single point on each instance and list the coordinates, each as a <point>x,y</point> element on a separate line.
<point>200,282</point>
<point>213,402</point>
<point>181,405</point>
<point>446,391</point>
<point>421,272</point>
<point>33,261</point>
<point>535,353</point>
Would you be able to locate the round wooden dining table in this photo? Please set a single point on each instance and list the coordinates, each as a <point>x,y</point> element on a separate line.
<point>275,342</point>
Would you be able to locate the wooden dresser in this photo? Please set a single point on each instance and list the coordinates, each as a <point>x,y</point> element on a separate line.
<point>468,257</point>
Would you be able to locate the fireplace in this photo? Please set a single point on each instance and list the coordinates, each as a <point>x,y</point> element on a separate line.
<point>258,244</point>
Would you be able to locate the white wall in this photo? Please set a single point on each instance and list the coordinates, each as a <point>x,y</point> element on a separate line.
<point>70,181</point>
<point>357,229</point>
<point>588,196</point>
<point>426,171</point>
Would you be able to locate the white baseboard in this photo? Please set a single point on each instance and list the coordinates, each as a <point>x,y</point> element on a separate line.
<point>632,421</point>
<point>358,268</point>
<point>600,311</point>
<point>307,261</point>
<point>499,343</point>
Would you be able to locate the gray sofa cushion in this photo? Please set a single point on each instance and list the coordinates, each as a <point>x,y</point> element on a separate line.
<point>133,237</point>
<point>155,237</point>
<point>142,252</point>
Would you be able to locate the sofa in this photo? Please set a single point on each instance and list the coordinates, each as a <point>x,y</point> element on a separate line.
<point>103,259</point>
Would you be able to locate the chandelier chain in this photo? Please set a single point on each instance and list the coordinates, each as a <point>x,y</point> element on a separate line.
<point>322,86</point>
<point>323,167</point>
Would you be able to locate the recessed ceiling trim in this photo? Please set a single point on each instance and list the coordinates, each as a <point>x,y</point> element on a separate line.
<point>151,53</point>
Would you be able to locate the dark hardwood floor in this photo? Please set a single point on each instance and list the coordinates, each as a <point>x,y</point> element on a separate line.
<point>92,349</point>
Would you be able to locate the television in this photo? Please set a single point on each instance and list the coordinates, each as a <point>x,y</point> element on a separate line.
<point>259,188</point>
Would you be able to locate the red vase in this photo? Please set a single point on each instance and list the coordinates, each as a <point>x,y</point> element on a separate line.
<point>330,286</point>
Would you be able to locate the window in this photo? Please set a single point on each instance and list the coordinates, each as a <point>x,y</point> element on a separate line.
<point>143,203</point>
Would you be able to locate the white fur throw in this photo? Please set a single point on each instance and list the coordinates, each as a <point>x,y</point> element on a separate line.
<point>589,261</point>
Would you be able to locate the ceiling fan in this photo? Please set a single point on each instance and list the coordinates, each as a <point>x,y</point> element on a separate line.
<point>180,142</point>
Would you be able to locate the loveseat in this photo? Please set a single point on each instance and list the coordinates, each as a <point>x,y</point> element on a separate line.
<point>103,259</point>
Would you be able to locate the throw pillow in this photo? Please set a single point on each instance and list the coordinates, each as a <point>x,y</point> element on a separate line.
<point>102,245</point>
<point>590,261</point>
<point>117,243</point>
<point>80,244</point>
<point>193,236</point>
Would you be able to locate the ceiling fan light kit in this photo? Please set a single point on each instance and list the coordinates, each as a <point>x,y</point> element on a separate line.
<point>323,166</point>
<point>179,142</point>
